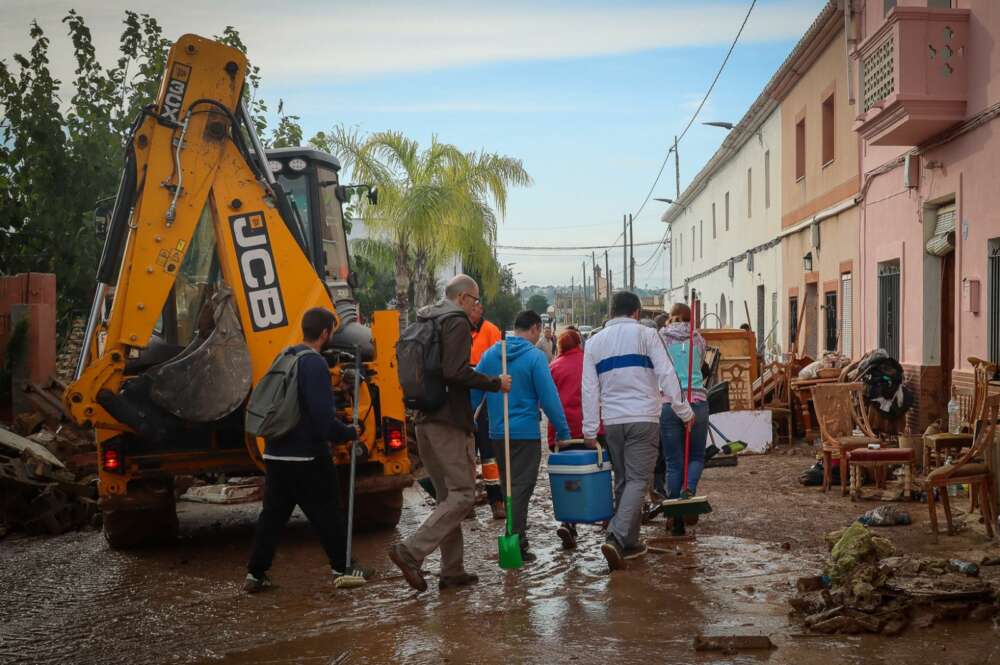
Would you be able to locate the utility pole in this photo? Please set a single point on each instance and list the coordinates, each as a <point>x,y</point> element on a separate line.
<point>625,251</point>
<point>607,281</point>
<point>631,254</point>
<point>677,170</point>
<point>584,270</point>
<point>572,300</point>
<point>611,285</point>
<point>593,275</point>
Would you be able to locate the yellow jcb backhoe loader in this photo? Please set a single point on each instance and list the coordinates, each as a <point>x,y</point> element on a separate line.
<point>214,250</point>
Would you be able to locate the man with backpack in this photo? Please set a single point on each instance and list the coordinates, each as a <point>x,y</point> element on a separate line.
<point>299,467</point>
<point>433,358</point>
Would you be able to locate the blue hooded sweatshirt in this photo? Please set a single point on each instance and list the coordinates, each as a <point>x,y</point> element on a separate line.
<point>531,387</point>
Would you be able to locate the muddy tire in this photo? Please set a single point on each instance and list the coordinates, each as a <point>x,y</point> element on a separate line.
<point>378,510</point>
<point>146,516</point>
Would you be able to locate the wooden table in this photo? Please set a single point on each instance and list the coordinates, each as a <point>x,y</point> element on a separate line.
<point>802,391</point>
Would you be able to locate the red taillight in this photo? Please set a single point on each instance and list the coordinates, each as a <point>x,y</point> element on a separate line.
<point>395,440</point>
<point>111,459</point>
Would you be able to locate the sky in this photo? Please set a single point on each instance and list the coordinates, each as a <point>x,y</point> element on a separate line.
<point>588,94</point>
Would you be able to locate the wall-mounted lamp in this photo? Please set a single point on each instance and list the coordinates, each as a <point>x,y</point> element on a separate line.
<point>807,262</point>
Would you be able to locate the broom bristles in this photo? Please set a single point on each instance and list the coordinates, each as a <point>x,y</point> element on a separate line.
<point>349,582</point>
<point>695,505</point>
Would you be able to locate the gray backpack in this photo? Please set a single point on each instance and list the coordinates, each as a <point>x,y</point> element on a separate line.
<point>273,409</point>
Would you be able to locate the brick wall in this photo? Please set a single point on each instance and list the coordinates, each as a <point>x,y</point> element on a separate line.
<point>929,400</point>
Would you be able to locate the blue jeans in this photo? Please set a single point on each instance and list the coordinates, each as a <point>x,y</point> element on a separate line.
<point>672,442</point>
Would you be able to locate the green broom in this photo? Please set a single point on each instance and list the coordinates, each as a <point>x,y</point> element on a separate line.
<point>686,504</point>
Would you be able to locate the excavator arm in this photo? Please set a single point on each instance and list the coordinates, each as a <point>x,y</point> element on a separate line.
<point>197,170</point>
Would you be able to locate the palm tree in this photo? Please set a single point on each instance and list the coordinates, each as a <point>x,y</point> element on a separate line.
<point>434,204</point>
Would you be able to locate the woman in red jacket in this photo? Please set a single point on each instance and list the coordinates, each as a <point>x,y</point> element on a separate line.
<point>567,373</point>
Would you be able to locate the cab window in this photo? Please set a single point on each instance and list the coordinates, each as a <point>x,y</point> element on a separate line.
<point>334,238</point>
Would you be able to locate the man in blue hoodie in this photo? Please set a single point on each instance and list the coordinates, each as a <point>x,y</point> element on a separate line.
<point>532,388</point>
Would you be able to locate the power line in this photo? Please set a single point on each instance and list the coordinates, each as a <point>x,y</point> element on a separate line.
<point>694,116</point>
<point>579,247</point>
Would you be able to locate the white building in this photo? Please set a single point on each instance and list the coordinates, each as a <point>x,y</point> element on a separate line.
<point>725,226</point>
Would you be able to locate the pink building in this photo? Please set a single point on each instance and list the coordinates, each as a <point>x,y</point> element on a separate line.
<point>927,104</point>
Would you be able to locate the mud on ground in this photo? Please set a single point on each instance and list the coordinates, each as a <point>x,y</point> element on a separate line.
<point>70,599</point>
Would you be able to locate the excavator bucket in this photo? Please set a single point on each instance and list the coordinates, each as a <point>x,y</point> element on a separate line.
<point>210,378</point>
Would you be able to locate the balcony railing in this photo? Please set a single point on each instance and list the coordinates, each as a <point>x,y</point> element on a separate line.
<point>914,75</point>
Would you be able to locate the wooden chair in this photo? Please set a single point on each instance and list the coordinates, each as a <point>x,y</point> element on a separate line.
<point>774,383</point>
<point>968,470</point>
<point>839,412</point>
<point>938,446</point>
<point>877,460</point>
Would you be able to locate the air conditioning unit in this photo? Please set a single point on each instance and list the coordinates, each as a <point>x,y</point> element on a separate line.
<point>815,234</point>
<point>732,269</point>
<point>750,261</point>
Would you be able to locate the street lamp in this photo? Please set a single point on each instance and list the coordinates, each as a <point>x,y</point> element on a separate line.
<point>716,123</point>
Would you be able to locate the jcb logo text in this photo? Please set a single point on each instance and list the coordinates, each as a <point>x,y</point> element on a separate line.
<point>260,279</point>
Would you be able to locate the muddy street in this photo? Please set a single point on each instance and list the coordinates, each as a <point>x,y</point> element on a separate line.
<point>71,599</point>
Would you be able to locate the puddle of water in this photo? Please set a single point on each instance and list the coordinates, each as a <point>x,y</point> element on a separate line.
<point>71,599</point>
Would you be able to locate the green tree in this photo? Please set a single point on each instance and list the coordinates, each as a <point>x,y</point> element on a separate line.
<point>538,302</point>
<point>434,203</point>
<point>61,153</point>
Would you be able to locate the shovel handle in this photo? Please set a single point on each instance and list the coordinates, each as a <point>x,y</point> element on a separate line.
<point>506,416</point>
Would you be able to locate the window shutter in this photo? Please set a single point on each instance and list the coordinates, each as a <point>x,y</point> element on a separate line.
<point>846,318</point>
<point>943,240</point>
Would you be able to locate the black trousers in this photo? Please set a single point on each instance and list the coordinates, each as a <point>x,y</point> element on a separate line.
<point>313,487</point>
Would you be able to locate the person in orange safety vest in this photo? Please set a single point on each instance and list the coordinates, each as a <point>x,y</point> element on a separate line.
<point>484,335</point>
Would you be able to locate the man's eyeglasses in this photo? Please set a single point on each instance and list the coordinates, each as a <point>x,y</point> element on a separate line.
<point>475,299</point>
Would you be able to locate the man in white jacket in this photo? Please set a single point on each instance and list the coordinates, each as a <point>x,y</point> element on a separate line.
<point>625,372</point>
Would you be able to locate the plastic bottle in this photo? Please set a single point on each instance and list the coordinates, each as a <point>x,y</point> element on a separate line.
<point>953,488</point>
<point>954,426</point>
<point>966,567</point>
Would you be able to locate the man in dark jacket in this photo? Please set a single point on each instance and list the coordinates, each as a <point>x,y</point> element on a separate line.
<point>299,467</point>
<point>445,441</point>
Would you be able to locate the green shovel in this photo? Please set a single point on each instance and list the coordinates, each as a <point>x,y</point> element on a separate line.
<point>510,542</point>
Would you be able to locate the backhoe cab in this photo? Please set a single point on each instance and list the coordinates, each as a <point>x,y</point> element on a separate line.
<point>213,252</point>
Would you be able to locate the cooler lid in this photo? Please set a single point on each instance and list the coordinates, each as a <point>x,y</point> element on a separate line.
<point>573,458</point>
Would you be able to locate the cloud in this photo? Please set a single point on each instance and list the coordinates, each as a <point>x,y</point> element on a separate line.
<point>300,41</point>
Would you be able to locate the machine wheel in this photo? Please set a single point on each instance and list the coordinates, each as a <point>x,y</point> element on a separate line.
<point>147,515</point>
<point>374,511</point>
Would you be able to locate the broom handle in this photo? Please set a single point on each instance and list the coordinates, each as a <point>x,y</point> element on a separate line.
<point>506,423</point>
<point>350,489</point>
<point>687,429</point>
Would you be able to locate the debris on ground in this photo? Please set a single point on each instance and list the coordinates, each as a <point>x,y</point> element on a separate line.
<point>69,352</point>
<point>235,490</point>
<point>885,515</point>
<point>730,644</point>
<point>48,477</point>
<point>867,588</point>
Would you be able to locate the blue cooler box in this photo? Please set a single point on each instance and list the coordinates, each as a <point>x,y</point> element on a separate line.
<point>581,486</point>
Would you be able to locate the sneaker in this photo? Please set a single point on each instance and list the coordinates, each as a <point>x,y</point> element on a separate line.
<point>411,571</point>
<point>567,535</point>
<point>355,571</point>
<point>636,551</point>
<point>456,581</point>
<point>612,551</point>
<point>499,512</point>
<point>254,584</point>
<point>527,556</point>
